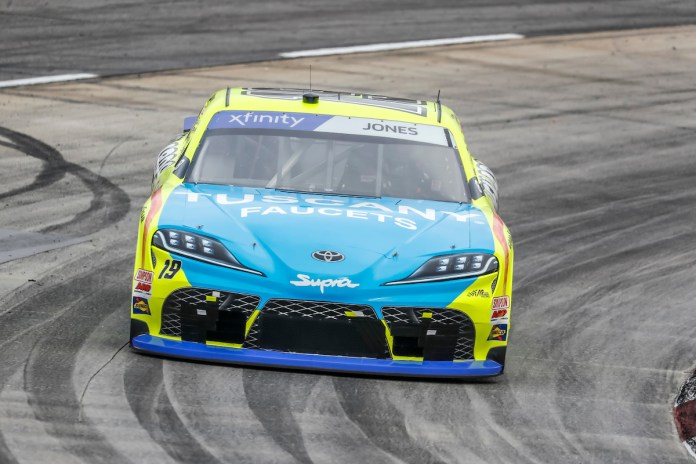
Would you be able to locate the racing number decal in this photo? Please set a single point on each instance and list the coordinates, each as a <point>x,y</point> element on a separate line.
<point>170,269</point>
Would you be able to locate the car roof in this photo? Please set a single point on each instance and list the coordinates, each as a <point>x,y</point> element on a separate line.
<point>332,103</point>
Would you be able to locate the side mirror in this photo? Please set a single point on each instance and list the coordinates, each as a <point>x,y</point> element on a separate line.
<point>166,159</point>
<point>189,122</point>
<point>489,184</point>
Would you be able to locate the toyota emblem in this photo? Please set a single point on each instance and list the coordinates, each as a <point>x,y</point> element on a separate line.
<point>328,256</point>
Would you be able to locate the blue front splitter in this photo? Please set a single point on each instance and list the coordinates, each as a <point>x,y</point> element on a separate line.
<point>200,351</point>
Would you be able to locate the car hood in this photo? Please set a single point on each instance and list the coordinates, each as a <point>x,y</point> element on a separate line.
<point>278,231</point>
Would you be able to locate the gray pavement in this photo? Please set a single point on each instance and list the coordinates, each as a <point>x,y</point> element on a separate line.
<point>591,137</point>
<point>111,37</point>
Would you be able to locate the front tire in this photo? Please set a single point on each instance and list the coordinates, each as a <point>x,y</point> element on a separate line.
<point>138,328</point>
<point>497,354</point>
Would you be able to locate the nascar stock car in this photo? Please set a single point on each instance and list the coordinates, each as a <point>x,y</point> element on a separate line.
<point>324,230</point>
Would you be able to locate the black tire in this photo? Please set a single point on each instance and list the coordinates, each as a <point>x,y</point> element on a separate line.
<point>497,354</point>
<point>138,328</point>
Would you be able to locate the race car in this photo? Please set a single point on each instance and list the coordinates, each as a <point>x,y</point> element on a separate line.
<point>324,230</point>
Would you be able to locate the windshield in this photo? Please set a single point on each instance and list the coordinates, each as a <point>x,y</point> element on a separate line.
<point>329,163</point>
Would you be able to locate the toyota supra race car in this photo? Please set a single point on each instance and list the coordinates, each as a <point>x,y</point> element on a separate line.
<point>324,230</point>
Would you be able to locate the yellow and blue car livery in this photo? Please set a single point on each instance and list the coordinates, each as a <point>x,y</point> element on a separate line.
<point>324,230</point>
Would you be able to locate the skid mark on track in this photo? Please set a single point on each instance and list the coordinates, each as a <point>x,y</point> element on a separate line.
<point>26,438</point>
<point>148,399</point>
<point>28,321</point>
<point>381,421</point>
<point>274,408</point>
<point>5,453</point>
<point>514,447</point>
<point>109,202</point>
<point>48,372</point>
<point>52,161</point>
<point>108,155</point>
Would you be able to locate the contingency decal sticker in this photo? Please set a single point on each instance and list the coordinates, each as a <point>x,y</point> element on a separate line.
<point>499,333</point>
<point>479,292</point>
<point>500,310</point>
<point>140,306</point>
<point>143,283</point>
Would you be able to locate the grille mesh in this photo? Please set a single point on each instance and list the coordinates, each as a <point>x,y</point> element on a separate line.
<point>316,309</point>
<point>409,315</point>
<point>171,321</point>
<point>310,309</point>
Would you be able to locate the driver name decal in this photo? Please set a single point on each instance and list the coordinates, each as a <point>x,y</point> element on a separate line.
<point>390,128</point>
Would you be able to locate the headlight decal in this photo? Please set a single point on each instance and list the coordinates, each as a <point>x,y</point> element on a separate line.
<point>198,247</point>
<point>454,266</point>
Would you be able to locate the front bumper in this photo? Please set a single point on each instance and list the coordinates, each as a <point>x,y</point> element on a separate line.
<point>245,356</point>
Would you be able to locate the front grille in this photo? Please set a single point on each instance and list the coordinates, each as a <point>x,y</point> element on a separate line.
<point>310,309</point>
<point>318,327</point>
<point>226,301</point>
<point>464,348</point>
<point>316,309</point>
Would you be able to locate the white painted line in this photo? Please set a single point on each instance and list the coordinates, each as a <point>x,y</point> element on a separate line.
<point>46,79</point>
<point>690,449</point>
<point>399,45</point>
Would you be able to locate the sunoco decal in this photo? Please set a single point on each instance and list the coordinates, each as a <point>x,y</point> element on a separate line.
<point>499,333</point>
<point>140,306</point>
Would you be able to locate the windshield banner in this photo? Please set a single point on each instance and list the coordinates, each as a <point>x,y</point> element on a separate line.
<point>333,124</point>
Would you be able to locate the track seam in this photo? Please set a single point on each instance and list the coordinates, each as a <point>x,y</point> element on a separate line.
<point>84,390</point>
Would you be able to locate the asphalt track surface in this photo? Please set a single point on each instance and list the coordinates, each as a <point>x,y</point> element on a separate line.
<point>109,37</point>
<point>592,138</point>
